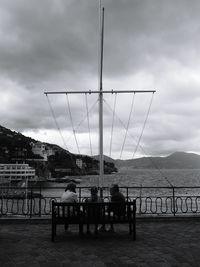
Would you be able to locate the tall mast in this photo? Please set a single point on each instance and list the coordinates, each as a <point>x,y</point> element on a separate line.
<point>101,156</point>
<point>100,92</point>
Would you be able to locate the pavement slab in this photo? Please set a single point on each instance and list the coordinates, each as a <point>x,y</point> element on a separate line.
<point>158,244</point>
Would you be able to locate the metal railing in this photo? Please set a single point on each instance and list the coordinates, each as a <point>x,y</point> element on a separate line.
<point>159,201</point>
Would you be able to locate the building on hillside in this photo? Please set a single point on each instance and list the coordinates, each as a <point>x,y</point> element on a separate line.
<point>16,172</point>
<point>42,150</point>
<point>79,163</point>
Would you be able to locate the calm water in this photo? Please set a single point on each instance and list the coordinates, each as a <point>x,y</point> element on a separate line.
<point>186,199</point>
<point>138,178</point>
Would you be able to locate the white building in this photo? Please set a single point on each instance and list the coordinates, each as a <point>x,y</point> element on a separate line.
<point>16,172</point>
<point>41,149</point>
<point>79,163</point>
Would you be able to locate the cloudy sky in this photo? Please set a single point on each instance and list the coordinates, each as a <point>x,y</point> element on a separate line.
<point>52,45</point>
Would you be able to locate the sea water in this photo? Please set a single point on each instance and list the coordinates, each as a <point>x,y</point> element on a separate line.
<point>140,178</point>
<point>154,190</point>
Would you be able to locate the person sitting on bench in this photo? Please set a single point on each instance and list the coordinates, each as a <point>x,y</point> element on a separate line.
<point>94,198</point>
<point>69,196</point>
<point>116,196</point>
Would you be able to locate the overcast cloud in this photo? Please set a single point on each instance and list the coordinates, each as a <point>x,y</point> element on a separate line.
<point>52,45</point>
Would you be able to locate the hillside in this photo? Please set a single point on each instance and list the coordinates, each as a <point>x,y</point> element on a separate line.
<point>15,147</point>
<point>177,160</point>
<point>106,158</point>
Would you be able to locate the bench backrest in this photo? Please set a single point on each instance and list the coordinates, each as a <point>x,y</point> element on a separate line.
<point>94,212</point>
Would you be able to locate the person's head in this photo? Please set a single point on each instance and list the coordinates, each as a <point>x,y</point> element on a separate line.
<point>114,189</point>
<point>71,187</point>
<point>94,191</point>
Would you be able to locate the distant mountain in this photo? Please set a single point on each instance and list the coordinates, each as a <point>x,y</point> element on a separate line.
<point>16,147</point>
<point>177,160</point>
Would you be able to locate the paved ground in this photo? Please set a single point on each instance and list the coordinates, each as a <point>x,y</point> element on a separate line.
<point>158,244</point>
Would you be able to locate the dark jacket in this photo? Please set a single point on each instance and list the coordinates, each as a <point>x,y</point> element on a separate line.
<point>118,197</point>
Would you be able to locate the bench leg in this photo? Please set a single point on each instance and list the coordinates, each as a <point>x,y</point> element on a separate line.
<point>66,227</point>
<point>134,231</point>
<point>53,232</point>
<point>96,229</point>
<point>81,229</point>
<point>130,229</point>
<point>88,228</point>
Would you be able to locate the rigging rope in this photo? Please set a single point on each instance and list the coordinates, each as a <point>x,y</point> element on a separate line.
<point>78,125</point>
<point>133,98</point>
<point>88,123</point>
<point>147,115</point>
<point>54,117</point>
<point>74,132</point>
<point>130,135</point>
<point>59,130</point>
<point>113,119</point>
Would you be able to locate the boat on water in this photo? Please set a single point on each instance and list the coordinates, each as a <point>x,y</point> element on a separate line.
<point>64,180</point>
<point>56,182</point>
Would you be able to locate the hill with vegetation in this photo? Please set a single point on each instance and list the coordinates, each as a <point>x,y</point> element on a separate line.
<point>15,147</point>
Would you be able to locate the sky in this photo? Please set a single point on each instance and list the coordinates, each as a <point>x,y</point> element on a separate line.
<point>53,45</point>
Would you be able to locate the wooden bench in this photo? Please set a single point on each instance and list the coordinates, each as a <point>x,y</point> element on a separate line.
<point>94,213</point>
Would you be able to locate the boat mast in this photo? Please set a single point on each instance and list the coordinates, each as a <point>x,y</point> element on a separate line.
<point>101,156</point>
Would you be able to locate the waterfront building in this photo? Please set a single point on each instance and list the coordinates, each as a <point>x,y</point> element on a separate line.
<point>16,172</point>
<point>42,150</point>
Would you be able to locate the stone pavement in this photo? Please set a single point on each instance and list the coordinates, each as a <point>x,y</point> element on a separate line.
<point>159,244</point>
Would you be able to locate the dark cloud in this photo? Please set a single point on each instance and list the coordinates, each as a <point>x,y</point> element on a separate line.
<point>150,44</point>
<point>43,41</point>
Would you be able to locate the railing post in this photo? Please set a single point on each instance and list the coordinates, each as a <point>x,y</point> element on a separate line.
<point>31,201</point>
<point>40,201</point>
<point>140,210</point>
<point>101,192</point>
<point>79,194</point>
<point>126,193</point>
<point>173,201</point>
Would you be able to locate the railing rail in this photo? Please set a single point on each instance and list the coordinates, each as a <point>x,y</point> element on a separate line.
<point>36,201</point>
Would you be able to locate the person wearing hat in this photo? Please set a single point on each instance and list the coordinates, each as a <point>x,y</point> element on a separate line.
<point>70,194</point>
